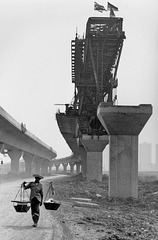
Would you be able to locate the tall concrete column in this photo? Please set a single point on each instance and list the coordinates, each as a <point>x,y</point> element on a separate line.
<point>28,158</point>
<point>72,164</point>
<point>37,164</point>
<point>123,124</point>
<point>65,167</point>
<point>50,168</point>
<point>15,155</point>
<point>78,164</point>
<point>123,166</point>
<point>94,147</point>
<point>57,165</point>
<point>156,157</point>
<point>83,155</point>
<point>44,167</point>
<point>1,147</point>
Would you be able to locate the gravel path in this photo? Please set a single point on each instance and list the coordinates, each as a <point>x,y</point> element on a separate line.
<point>114,219</point>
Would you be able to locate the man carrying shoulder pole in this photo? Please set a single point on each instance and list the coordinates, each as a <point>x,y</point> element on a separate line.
<point>36,197</point>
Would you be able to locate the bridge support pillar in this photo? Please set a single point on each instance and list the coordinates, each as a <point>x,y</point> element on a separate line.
<point>72,164</point>
<point>15,155</point>
<point>123,124</point>
<point>57,165</point>
<point>49,168</point>
<point>1,147</point>
<point>28,158</point>
<point>65,167</point>
<point>94,147</point>
<point>44,167</point>
<point>78,167</point>
<point>83,155</point>
<point>37,164</point>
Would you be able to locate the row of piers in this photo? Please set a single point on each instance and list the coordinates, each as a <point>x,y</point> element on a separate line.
<point>33,163</point>
<point>70,165</point>
<point>36,164</point>
<point>123,125</point>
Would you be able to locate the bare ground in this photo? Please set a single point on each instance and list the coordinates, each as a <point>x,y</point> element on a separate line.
<point>114,219</point>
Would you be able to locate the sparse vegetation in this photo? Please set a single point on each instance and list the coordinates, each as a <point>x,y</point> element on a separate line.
<point>115,219</point>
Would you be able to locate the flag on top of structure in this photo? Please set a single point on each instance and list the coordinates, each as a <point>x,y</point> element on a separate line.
<point>99,7</point>
<point>112,8</point>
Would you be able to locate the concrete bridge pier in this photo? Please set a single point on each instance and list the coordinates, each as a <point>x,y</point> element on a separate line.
<point>123,124</point>
<point>28,158</point>
<point>15,155</point>
<point>94,146</point>
<point>83,156</point>
<point>72,164</point>
<point>44,167</point>
<point>57,165</point>
<point>78,167</point>
<point>50,168</point>
<point>1,147</point>
<point>65,167</point>
<point>37,165</point>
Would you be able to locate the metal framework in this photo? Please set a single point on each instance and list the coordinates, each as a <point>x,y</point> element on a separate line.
<point>95,61</point>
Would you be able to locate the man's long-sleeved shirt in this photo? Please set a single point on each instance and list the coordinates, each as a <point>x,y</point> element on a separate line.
<point>36,190</point>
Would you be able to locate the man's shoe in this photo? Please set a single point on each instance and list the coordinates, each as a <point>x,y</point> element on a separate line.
<point>34,225</point>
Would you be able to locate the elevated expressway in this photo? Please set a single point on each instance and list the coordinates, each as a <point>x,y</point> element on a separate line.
<point>16,141</point>
<point>93,119</point>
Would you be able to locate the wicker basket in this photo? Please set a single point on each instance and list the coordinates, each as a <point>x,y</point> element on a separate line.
<point>21,203</point>
<point>22,207</point>
<point>51,205</point>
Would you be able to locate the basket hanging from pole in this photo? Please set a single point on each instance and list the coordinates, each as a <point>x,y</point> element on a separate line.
<point>21,202</point>
<point>50,203</point>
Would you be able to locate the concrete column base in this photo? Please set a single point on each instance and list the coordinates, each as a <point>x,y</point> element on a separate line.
<point>1,147</point>
<point>57,165</point>
<point>123,124</point>
<point>28,158</point>
<point>65,167</point>
<point>94,147</point>
<point>83,155</point>
<point>15,155</point>
<point>78,168</point>
<point>37,165</point>
<point>44,167</point>
<point>94,166</point>
<point>123,166</point>
<point>72,164</point>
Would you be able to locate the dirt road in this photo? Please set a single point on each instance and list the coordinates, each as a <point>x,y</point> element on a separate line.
<point>115,219</point>
<point>18,226</point>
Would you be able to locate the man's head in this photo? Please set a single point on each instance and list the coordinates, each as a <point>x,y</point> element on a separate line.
<point>37,177</point>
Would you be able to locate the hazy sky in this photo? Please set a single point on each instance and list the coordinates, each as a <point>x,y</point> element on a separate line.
<point>35,60</point>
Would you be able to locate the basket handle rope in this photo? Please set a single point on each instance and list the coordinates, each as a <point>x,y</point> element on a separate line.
<point>24,193</point>
<point>51,191</point>
<point>17,193</point>
<point>21,192</point>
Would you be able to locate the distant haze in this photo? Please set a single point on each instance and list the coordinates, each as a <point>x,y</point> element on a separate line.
<point>35,61</point>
